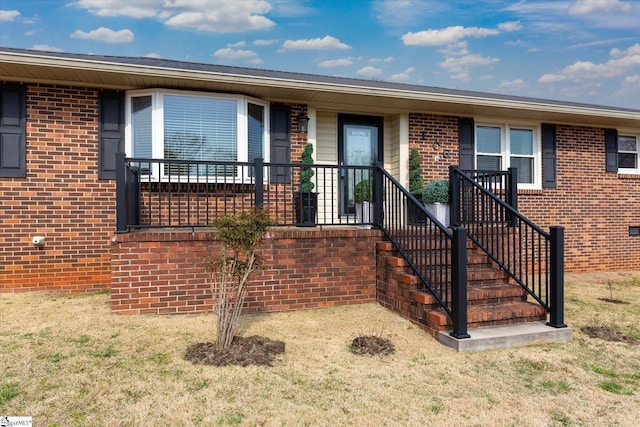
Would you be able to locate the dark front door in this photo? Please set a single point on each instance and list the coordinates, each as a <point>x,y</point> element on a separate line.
<point>359,144</point>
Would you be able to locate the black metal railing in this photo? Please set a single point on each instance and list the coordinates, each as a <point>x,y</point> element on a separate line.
<point>436,254</point>
<point>530,255</point>
<point>154,193</point>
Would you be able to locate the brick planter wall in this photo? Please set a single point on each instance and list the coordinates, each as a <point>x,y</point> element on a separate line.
<point>163,272</point>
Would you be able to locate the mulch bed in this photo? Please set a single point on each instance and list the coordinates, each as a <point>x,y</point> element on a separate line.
<point>372,345</point>
<point>253,350</point>
<point>608,334</point>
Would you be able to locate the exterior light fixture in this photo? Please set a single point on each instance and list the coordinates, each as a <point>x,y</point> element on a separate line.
<point>303,123</point>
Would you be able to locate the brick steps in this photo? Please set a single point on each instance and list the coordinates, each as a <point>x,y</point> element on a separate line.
<point>492,297</point>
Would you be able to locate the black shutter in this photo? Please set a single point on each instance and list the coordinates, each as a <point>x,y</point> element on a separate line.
<point>280,143</point>
<point>611,143</point>
<point>13,140</point>
<point>549,160</point>
<point>466,140</point>
<point>110,132</point>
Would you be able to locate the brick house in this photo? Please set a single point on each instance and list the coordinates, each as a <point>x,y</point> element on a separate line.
<point>63,118</point>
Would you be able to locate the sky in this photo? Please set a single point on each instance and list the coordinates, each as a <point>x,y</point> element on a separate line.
<point>569,50</point>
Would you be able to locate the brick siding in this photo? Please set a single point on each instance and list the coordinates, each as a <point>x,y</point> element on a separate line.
<point>61,198</point>
<point>163,272</point>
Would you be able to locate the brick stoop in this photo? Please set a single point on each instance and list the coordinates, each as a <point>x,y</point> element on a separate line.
<point>492,298</point>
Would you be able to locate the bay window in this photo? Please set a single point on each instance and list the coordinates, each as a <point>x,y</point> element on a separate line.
<point>503,146</point>
<point>193,126</point>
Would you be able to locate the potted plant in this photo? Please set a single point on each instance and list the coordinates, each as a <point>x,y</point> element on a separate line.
<point>363,195</point>
<point>435,197</point>
<point>416,185</point>
<point>305,199</point>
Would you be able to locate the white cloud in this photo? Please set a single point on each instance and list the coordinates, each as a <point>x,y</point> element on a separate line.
<point>405,75</point>
<point>621,62</point>
<point>153,55</point>
<point>8,15</point>
<point>343,62</point>
<point>215,16</point>
<point>445,36</point>
<point>460,67</point>
<point>369,71</point>
<point>106,35</point>
<point>325,43</point>
<point>237,44</point>
<point>133,9</point>
<point>635,79</point>
<point>265,42</point>
<point>510,26</point>
<point>581,7</point>
<point>376,60</point>
<point>46,48</point>
<point>232,54</point>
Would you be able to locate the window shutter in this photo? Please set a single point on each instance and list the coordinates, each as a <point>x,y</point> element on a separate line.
<point>549,161</point>
<point>280,142</point>
<point>13,145</point>
<point>110,132</point>
<point>611,143</point>
<point>465,138</point>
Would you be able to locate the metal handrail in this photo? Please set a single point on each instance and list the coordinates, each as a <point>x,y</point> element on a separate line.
<point>436,254</point>
<point>532,257</point>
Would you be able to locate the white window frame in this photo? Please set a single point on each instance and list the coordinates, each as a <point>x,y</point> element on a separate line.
<point>636,135</point>
<point>505,146</point>
<point>157,131</point>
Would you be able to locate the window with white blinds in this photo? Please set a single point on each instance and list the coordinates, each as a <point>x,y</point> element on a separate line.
<point>175,125</point>
<point>503,146</point>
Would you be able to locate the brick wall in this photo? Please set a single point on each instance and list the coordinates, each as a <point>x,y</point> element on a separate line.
<point>595,207</point>
<point>432,135</point>
<point>164,272</point>
<point>61,198</point>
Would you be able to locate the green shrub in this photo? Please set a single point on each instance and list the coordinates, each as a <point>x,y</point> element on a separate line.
<point>363,191</point>
<point>306,173</point>
<point>416,183</point>
<point>436,191</point>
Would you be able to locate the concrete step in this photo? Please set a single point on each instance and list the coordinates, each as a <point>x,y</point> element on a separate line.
<point>509,336</point>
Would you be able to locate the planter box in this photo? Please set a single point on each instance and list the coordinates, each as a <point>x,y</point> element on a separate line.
<point>306,209</point>
<point>440,211</point>
<point>363,214</point>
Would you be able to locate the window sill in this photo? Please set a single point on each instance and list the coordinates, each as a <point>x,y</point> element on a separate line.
<point>629,175</point>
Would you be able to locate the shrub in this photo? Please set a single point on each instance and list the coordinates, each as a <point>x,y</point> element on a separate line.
<point>306,173</point>
<point>240,236</point>
<point>363,191</point>
<point>416,183</point>
<point>436,191</point>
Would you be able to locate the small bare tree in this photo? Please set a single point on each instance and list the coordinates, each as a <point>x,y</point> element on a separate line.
<point>240,236</point>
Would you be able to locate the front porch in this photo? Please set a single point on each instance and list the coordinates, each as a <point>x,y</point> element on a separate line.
<point>160,252</point>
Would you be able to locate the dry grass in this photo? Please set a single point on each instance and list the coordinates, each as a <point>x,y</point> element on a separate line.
<point>68,361</point>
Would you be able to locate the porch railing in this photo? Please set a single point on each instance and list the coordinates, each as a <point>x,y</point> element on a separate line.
<point>155,193</point>
<point>530,255</point>
<point>436,254</point>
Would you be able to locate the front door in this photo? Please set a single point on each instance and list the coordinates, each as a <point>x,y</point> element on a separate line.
<point>359,144</point>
